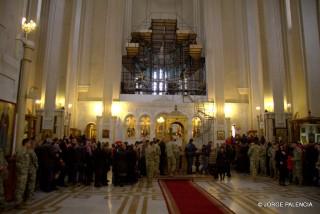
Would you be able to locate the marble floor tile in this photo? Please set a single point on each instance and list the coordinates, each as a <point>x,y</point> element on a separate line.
<point>240,193</point>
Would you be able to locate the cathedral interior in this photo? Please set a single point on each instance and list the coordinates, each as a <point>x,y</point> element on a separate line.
<point>226,86</point>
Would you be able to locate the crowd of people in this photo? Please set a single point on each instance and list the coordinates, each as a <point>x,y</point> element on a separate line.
<point>290,163</point>
<point>55,163</point>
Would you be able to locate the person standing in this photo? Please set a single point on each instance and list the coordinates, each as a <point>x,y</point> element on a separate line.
<point>98,165</point>
<point>190,151</point>
<point>171,157</point>
<point>262,158</point>
<point>157,157</point>
<point>3,172</point>
<point>253,154</point>
<point>297,164</point>
<point>32,172</point>
<point>177,152</point>
<point>163,157</point>
<point>205,153</point>
<point>150,154</point>
<point>213,161</point>
<point>281,159</point>
<point>22,170</point>
<point>222,163</point>
<point>269,159</point>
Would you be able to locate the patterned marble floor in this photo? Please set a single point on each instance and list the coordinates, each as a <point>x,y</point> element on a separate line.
<point>240,194</point>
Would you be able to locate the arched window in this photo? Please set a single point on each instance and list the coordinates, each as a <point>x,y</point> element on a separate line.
<point>130,122</point>
<point>144,123</point>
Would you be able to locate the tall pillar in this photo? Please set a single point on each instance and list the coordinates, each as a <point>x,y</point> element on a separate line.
<point>215,58</point>
<point>295,57</point>
<point>196,19</point>
<point>310,32</point>
<point>241,43</point>
<point>113,59</point>
<point>208,32</point>
<point>85,43</point>
<point>52,62</point>
<point>218,66</point>
<point>127,25</point>
<point>275,58</point>
<point>255,63</point>
<point>73,62</point>
<point>22,92</point>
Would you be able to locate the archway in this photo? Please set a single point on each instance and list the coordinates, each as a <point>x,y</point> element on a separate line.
<point>130,126</point>
<point>91,131</point>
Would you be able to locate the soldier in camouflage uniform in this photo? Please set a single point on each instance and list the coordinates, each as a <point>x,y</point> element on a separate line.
<point>253,154</point>
<point>171,157</point>
<point>150,162</point>
<point>22,170</point>
<point>3,170</point>
<point>262,159</point>
<point>297,164</point>
<point>177,153</point>
<point>274,162</point>
<point>32,173</point>
<point>157,157</point>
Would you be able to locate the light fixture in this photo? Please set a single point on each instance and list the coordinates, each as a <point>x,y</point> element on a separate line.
<point>258,108</point>
<point>38,102</point>
<point>115,108</point>
<point>289,105</point>
<point>160,120</point>
<point>98,108</point>
<point>228,110</point>
<point>28,27</point>
<point>69,105</point>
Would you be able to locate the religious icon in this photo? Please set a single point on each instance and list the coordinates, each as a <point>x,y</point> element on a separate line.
<point>7,113</point>
<point>144,126</point>
<point>221,135</point>
<point>4,127</point>
<point>130,124</point>
<point>106,133</point>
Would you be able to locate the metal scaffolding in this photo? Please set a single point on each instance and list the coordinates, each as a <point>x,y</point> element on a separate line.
<point>163,60</point>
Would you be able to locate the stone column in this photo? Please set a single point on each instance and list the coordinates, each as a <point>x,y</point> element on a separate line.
<point>215,58</point>
<point>197,20</point>
<point>241,42</point>
<point>296,61</point>
<point>73,64</point>
<point>255,63</point>
<point>113,58</point>
<point>52,62</point>
<point>127,25</point>
<point>22,92</point>
<point>85,43</point>
<point>208,31</point>
<point>310,32</point>
<point>275,58</point>
<point>218,68</point>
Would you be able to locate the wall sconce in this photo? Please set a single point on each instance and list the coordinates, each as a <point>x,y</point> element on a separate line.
<point>258,108</point>
<point>69,106</point>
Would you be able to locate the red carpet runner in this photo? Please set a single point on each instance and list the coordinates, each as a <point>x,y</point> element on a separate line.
<point>183,196</point>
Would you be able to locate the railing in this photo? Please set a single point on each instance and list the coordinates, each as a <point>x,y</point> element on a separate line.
<point>207,121</point>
